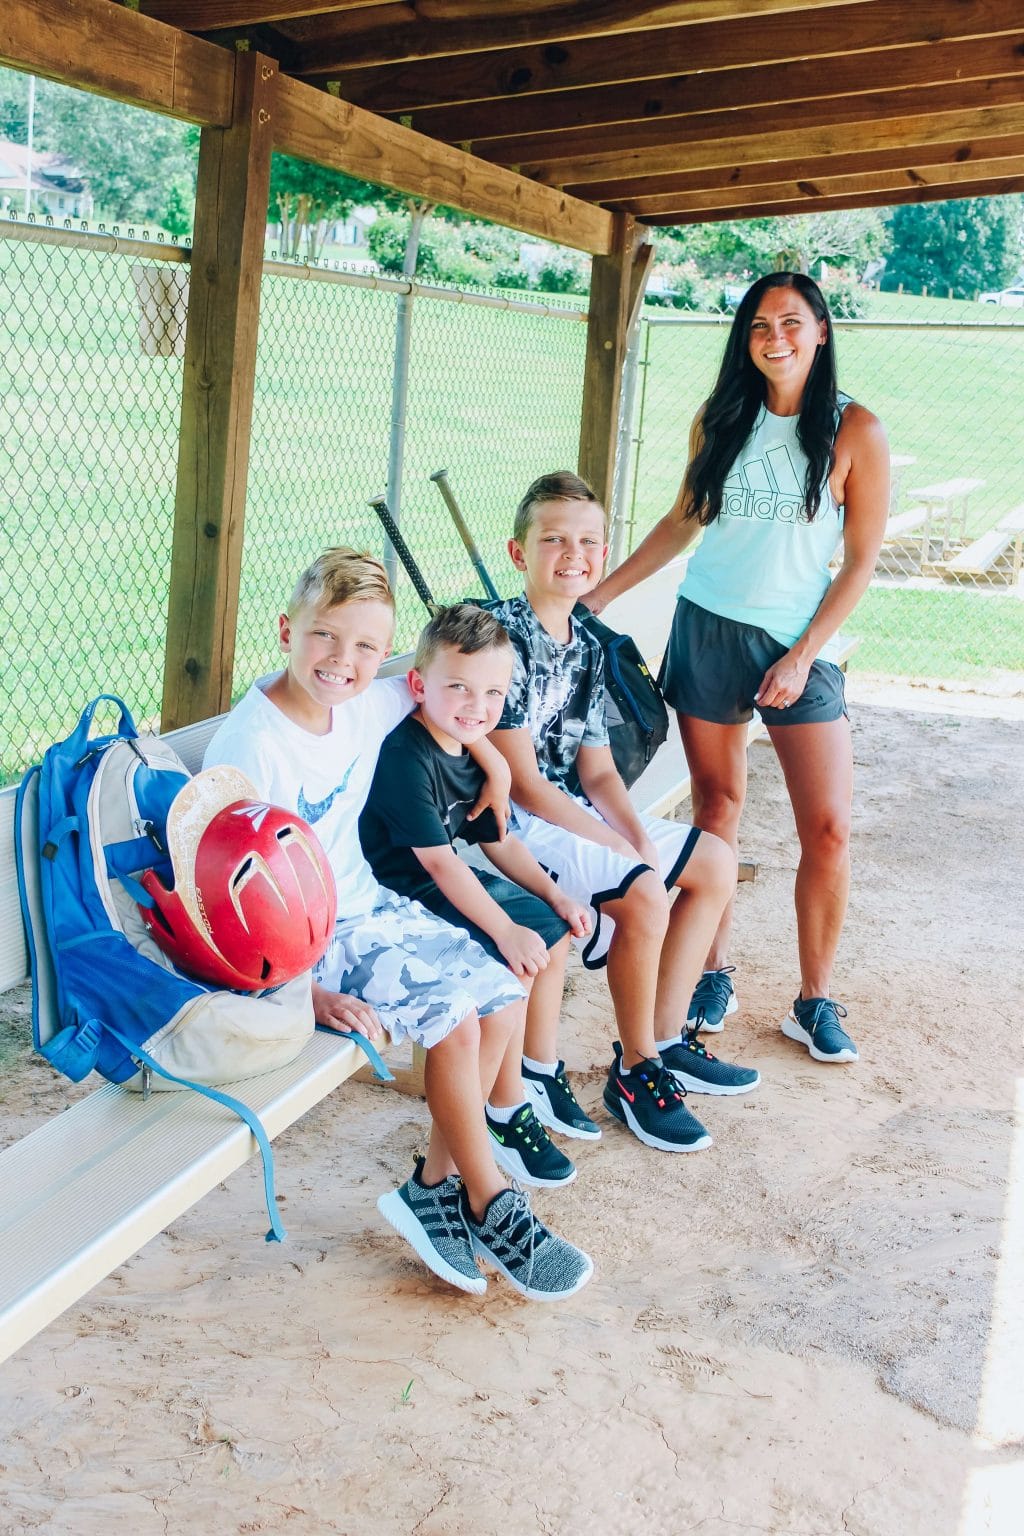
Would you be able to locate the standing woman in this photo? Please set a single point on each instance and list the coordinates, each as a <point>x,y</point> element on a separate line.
<point>781,469</point>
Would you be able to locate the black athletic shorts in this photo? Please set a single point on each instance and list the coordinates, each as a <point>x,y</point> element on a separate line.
<point>713,667</point>
<point>521,906</point>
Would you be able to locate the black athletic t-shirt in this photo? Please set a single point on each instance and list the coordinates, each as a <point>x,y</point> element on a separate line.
<point>420,798</point>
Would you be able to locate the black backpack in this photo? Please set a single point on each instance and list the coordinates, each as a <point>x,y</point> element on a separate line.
<point>636,711</point>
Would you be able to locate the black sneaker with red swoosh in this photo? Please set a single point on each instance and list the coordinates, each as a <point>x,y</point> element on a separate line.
<point>649,1100</point>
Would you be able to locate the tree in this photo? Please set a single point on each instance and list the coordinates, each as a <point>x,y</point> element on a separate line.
<point>305,199</point>
<point>846,237</point>
<point>967,245</point>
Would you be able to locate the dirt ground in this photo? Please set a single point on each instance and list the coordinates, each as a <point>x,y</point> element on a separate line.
<point>808,1329</point>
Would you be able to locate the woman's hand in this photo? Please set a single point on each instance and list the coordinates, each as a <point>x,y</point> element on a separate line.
<point>783,683</point>
<point>596,599</point>
<point>335,1010</point>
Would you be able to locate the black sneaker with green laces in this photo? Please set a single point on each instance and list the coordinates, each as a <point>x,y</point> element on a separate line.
<point>525,1150</point>
<point>649,1100</point>
<point>555,1106</point>
<point>700,1072</point>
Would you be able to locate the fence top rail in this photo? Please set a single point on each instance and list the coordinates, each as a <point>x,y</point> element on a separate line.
<point>862,325</point>
<point>132,241</point>
<point>127,243</point>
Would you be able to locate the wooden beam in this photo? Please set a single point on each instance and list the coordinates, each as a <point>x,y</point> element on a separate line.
<point>314,126</point>
<point>786,143</point>
<point>834,30</point>
<point>860,113</point>
<point>96,46</point>
<point>616,292</point>
<point>216,407</point>
<point>775,85</point>
<point>814,192</point>
<point>430,30</point>
<point>211,15</point>
<point>620,194</point>
<point>925,194</point>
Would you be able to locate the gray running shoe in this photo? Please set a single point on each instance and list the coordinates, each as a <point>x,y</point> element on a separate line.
<point>539,1264</point>
<point>714,997</point>
<point>814,1022</point>
<point>431,1219</point>
<point>525,1150</point>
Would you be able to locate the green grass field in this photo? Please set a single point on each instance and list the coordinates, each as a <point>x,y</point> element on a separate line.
<point>89,427</point>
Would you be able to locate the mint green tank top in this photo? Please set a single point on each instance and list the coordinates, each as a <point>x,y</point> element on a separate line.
<point>761,562</point>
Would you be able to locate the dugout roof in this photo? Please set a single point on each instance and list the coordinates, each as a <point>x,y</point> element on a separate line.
<point>675,112</point>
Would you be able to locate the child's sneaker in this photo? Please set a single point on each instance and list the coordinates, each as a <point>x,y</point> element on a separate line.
<point>700,1072</point>
<point>814,1022</point>
<point>539,1264</point>
<point>714,996</point>
<point>525,1150</point>
<point>649,1100</point>
<point>431,1218</point>
<point>555,1106</point>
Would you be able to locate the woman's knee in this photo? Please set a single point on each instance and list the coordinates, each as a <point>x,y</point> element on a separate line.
<point>827,837</point>
<point>717,805</point>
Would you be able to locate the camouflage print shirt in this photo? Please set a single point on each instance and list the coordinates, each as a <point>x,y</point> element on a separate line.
<point>556,690</point>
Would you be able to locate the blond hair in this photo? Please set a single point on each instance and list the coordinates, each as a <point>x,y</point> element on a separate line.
<point>341,575</point>
<point>464,628</point>
<point>562,485</point>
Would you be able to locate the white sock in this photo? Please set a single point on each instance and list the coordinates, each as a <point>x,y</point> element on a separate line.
<point>663,1045</point>
<point>503,1115</point>
<point>548,1068</point>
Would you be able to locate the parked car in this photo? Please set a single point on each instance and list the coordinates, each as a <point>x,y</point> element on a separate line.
<point>1011,298</point>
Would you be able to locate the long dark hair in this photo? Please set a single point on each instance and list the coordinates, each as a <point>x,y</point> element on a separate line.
<point>739,393</point>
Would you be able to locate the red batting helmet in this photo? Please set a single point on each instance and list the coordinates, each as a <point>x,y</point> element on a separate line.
<point>253,903</point>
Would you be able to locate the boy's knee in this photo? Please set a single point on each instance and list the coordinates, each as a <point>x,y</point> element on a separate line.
<point>465,1037</point>
<point>712,868</point>
<point>645,904</point>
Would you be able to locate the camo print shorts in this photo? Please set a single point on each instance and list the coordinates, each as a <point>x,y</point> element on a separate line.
<point>420,974</point>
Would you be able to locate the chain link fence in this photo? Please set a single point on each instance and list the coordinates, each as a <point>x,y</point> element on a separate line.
<point>946,378</point>
<point>91,371</point>
<point>90,395</point>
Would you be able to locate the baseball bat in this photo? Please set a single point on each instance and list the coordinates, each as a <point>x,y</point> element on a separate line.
<point>404,553</point>
<point>440,479</point>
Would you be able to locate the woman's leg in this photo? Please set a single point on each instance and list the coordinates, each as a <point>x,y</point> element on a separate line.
<point>817,761</point>
<point>717,758</point>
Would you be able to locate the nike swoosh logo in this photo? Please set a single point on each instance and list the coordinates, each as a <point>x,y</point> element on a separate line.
<point>622,1087</point>
<point>494,1133</point>
<point>316,810</point>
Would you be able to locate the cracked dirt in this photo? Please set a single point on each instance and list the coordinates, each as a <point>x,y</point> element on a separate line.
<point>786,1334</point>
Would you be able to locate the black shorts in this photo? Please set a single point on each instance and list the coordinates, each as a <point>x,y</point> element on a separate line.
<point>713,667</point>
<point>521,906</point>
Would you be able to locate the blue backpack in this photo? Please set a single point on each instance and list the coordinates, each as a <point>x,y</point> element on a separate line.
<point>88,821</point>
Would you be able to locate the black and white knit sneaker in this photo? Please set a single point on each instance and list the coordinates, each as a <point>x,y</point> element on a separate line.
<point>539,1264</point>
<point>432,1219</point>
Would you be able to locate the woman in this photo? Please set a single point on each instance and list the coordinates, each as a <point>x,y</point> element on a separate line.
<point>782,467</point>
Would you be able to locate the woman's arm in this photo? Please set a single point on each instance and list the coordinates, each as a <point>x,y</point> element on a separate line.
<point>668,538</point>
<point>863,448</point>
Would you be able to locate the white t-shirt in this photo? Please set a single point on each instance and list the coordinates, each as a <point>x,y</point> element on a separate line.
<point>326,779</point>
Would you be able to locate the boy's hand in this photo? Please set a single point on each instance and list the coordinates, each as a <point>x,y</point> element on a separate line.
<point>572,912</point>
<point>525,952</point>
<point>335,1010</point>
<point>645,848</point>
<point>494,798</point>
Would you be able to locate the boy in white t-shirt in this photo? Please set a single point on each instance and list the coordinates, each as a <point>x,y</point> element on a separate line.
<point>309,738</point>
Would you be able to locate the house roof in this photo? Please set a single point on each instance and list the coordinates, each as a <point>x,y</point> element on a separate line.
<point>675,112</point>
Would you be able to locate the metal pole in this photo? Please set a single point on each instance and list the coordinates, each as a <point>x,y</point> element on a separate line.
<point>31,135</point>
<point>620,492</point>
<point>400,382</point>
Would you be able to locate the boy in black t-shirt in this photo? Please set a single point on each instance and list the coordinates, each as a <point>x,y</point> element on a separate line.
<point>424,788</point>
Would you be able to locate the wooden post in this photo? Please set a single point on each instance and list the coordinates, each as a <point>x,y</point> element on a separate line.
<point>216,406</point>
<point>616,290</point>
